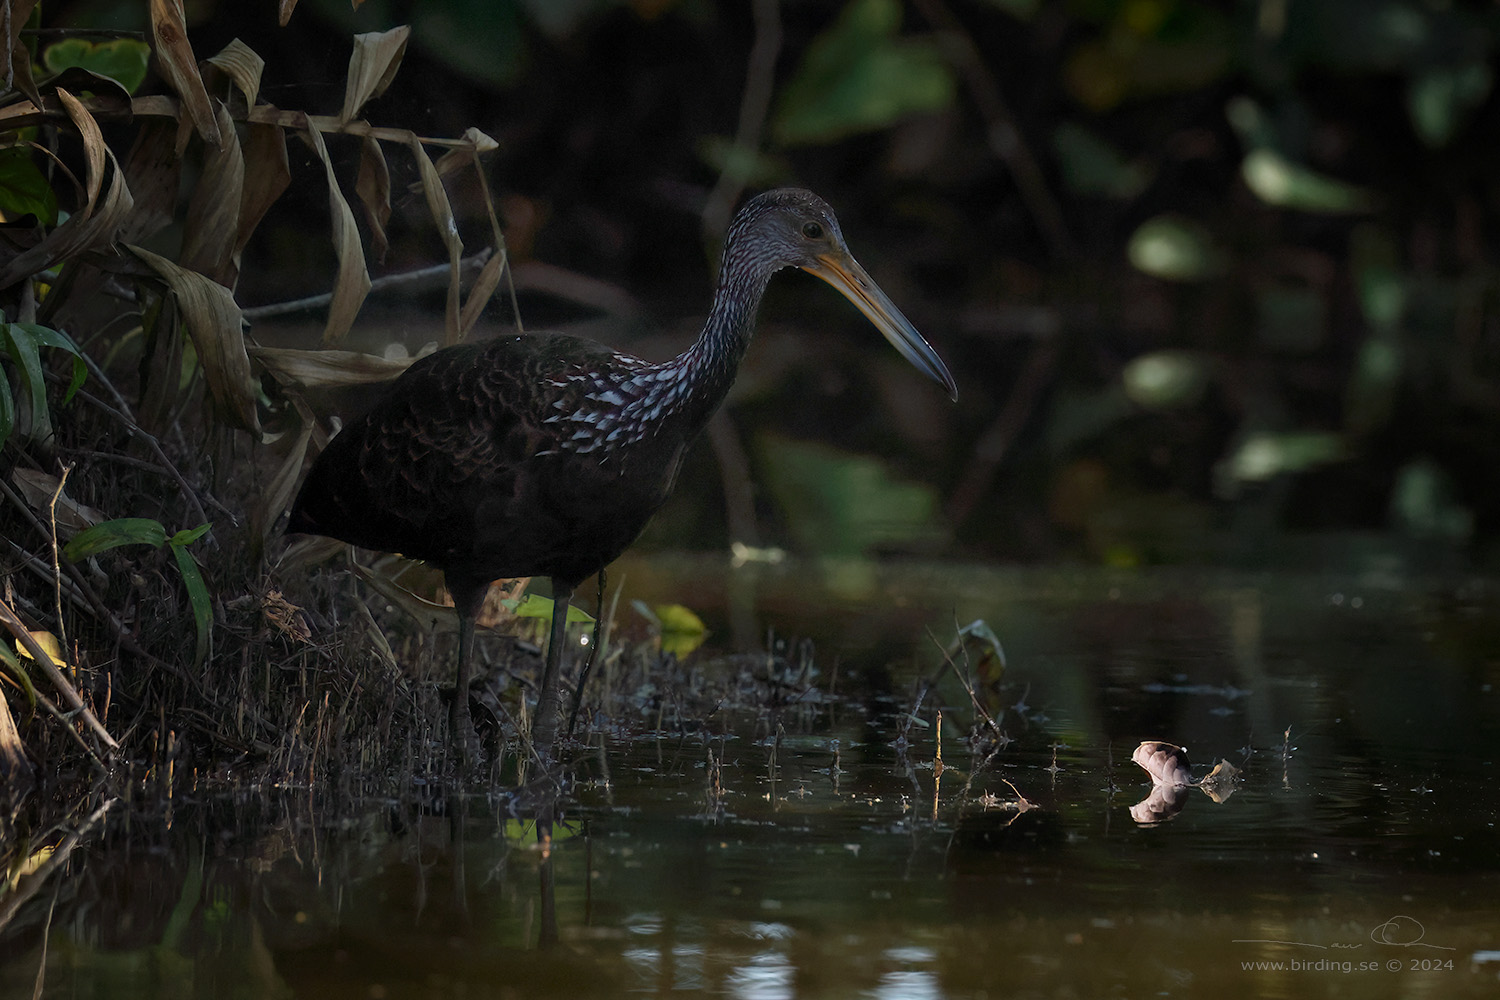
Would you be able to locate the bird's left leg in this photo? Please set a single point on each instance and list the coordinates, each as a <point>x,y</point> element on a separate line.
<point>544,723</point>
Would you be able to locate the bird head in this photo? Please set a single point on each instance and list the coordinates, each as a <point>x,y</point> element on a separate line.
<point>790,227</point>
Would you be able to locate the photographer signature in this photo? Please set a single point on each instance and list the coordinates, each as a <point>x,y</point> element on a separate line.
<point>1400,931</point>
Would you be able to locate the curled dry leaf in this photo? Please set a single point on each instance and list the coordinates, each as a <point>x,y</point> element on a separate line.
<point>153,170</point>
<point>213,214</point>
<point>463,156</point>
<point>214,322</point>
<point>447,227</point>
<point>278,493</point>
<point>373,185</point>
<point>480,293</point>
<point>38,488</point>
<point>372,67</point>
<point>244,66</point>
<point>284,13</point>
<point>1165,762</point>
<point>179,66</point>
<point>327,369</point>
<point>17,56</point>
<point>96,222</point>
<point>353,282</point>
<point>285,617</point>
<point>267,175</point>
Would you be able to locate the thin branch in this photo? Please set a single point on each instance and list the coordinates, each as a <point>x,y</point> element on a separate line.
<point>1002,133</point>
<point>755,107</point>
<point>420,278</point>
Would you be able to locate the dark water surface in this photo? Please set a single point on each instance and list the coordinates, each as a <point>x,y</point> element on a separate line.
<point>818,849</point>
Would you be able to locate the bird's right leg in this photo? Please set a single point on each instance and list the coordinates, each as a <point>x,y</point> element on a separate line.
<point>544,723</point>
<point>468,597</point>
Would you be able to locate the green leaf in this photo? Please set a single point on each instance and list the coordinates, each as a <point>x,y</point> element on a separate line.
<point>1278,181</point>
<point>24,189</point>
<point>1165,380</point>
<point>1440,99</point>
<point>681,630</point>
<point>1175,248</point>
<point>532,606</point>
<point>48,337</point>
<point>18,342</point>
<point>189,535</point>
<point>198,596</point>
<point>844,504</point>
<point>112,534</point>
<point>859,76</point>
<point>7,411</point>
<point>123,60</point>
<point>1092,166</point>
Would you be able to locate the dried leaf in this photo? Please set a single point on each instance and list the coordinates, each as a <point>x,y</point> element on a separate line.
<point>327,369</point>
<point>278,493</point>
<point>447,227</point>
<point>95,223</point>
<point>38,488</point>
<point>213,214</point>
<point>175,54</point>
<point>267,176</point>
<point>372,67</point>
<point>217,329</point>
<point>244,66</point>
<point>153,170</point>
<point>481,292</point>
<point>463,156</point>
<point>353,282</point>
<point>49,645</point>
<point>439,617</point>
<point>1167,764</point>
<point>284,14</point>
<point>373,185</point>
<point>17,56</point>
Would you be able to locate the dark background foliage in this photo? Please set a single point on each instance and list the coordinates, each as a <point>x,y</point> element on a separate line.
<point>1216,279</point>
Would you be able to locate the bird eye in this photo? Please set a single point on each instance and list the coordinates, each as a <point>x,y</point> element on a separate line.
<point>812,230</point>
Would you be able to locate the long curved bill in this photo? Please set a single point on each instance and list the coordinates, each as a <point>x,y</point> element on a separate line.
<point>844,273</point>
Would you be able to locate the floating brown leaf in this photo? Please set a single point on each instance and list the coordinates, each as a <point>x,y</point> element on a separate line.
<point>217,329</point>
<point>353,281</point>
<point>244,66</point>
<point>447,227</point>
<point>213,214</point>
<point>1165,762</point>
<point>373,185</point>
<point>175,54</point>
<point>372,67</point>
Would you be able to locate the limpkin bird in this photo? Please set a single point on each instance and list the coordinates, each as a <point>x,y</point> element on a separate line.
<point>546,454</point>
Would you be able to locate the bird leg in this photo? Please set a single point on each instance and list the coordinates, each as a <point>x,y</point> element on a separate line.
<point>544,722</point>
<point>468,598</point>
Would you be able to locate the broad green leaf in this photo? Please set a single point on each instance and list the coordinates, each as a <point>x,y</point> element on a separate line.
<point>1442,98</point>
<point>48,337</point>
<point>532,606</point>
<point>189,535</point>
<point>1175,248</point>
<point>859,75</point>
<point>681,630</point>
<point>1278,181</point>
<point>1164,380</point>
<point>24,189</point>
<point>122,60</point>
<point>112,534</point>
<point>1092,166</point>
<point>198,596</point>
<point>20,345</point>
